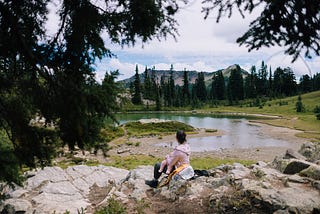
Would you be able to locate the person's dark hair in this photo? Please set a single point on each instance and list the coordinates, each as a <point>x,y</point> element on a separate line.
<point>181,136</point>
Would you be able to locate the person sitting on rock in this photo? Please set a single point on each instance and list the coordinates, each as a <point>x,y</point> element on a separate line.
<point>177,161</point>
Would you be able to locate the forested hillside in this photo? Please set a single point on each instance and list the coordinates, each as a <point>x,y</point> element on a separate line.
<point>228,86</point>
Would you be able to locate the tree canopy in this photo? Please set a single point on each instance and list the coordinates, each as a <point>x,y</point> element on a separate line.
<point>294,24</point>
<point>52,75</point>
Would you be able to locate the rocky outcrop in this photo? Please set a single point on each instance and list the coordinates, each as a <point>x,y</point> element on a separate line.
<point>53,189</point>
<point>290,184</point>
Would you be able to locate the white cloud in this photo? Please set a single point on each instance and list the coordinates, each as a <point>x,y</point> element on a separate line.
<point>126,69</point>
<point>203,45</point>
<point>300,67</point>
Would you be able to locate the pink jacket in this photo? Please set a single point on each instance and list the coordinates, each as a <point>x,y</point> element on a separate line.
<point>180,155</point>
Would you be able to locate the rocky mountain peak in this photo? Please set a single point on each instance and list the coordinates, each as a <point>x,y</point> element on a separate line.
<point>179,74</point>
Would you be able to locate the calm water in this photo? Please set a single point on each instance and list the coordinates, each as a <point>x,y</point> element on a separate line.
<point>239,133</point>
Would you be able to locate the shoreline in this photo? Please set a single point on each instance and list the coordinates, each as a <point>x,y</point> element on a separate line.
<point>267,154</point>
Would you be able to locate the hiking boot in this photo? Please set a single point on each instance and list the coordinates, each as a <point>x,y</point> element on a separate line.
<point>152,183</point>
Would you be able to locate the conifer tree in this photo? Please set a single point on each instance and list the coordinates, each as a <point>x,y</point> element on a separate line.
<point>235,85</point>
<point>148,90</point>
<point>200,87</point>
<point>316,82</point>
<point>262,83</point>
<point>270,84</point>
<point>305,84</point>
<point>250,87</point>
<point>42,72</point>
<point>171,88</point>
<point>218,86</point>
<point>185,88</point>
<point>136,97</point>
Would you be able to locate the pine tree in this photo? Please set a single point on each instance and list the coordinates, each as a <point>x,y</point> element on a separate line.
<point>262,83</point>
<point>218,86</point>
<point>250,87</point>
<point>136,97</point>
<point>185,88</point>
<point>158,99</point>
<point>40,75</point>
<point>200,87</point>
<point>316,82</point>
<point>235,85</point>
<point>171,88</point>
<point>148,90</point>
<point>270,84</point>
<point>305,84</point>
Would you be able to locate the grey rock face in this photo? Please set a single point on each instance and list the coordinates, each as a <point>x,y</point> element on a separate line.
<point>283,186</point>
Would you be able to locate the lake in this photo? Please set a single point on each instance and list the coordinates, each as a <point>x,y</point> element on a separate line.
<point>239,133</point>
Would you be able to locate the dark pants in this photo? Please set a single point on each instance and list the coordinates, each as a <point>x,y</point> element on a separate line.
<point>156,173</point>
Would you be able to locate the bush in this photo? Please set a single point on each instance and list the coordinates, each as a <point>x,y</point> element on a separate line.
<point>299,105</point>
<point>113,207</point>
<point>317,112</point>
<point>9,164</point>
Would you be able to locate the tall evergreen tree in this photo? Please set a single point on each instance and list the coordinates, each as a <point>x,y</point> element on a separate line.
<point>200,87</point>
<point>284,82</point>
<point>185,88</point>
<point>156,89</point>
<point>305,84</point>
<point>136,97</point>
<point>262,82</point>
<point>148,89</point>
<point>171,88</point>
<point>270,84</point>
<point>164,90</point>
<point>40,75</point>
<point>235,85</point>
<point>278,82</point>
<point>250,87</point>
<point>251,84</point>
<point>316,82</point>
<point>218,86</point>
<point>290,84</point>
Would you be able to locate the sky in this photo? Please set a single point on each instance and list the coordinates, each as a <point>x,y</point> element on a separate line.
<point>202,45</point>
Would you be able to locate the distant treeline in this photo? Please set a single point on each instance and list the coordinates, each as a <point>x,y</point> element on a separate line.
<point>259,83</point>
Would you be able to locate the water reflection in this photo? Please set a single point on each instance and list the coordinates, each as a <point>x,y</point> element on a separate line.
<point>239,133</point>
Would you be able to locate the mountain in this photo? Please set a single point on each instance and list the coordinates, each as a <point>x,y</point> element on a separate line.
<point>178,75</point>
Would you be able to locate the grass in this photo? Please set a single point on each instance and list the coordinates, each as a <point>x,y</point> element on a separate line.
<point>148,129</point>
<point>109,133</point>
<point>132,161</point>
<point>209,163</point>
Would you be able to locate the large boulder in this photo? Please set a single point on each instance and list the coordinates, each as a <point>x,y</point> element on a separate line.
<point>311,151</point>
<point>312,171</point>
<point>290,166</point>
